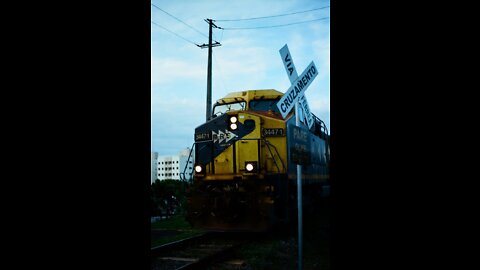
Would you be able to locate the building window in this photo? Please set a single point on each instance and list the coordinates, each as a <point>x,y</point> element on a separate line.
<point>177,161</point>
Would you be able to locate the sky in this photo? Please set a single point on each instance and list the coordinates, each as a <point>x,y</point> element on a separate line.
<point>247,59</point>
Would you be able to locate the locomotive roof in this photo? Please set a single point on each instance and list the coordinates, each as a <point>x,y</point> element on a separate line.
<point>250,95</point>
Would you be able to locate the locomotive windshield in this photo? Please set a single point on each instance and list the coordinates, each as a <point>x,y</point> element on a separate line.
<point>221,109</point>
<point>264,105</point>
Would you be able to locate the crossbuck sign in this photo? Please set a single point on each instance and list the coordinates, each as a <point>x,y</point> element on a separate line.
<point>294,98</point>
<point>297,89</point>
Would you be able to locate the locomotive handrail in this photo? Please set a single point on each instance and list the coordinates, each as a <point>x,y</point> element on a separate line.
<point>327,136</point>
<point>276,151</point>
<point>268,146</point>
<point>271,154</point>
<point>186,165</point>
<point>322,125</point>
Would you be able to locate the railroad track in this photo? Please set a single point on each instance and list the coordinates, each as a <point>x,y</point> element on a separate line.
<point>195,252</point>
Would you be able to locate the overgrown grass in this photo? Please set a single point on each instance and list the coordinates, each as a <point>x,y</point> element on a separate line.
<point>270,254</point>
<point>281,251</point>
<point>177,223</point>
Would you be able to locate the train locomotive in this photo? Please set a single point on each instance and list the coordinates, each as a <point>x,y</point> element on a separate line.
<point>244,176</point>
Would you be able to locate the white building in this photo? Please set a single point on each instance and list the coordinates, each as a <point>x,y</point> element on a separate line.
<point>154,167</point>
<point>171,167</point>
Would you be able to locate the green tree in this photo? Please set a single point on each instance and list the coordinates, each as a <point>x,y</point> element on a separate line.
<point>168,197</point>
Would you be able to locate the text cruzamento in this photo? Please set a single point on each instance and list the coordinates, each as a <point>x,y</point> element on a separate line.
<point>287,102</point>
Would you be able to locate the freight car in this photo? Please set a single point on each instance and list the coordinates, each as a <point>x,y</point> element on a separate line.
<point>244,175</point>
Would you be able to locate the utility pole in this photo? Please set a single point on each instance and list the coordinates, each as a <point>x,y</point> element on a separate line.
<point>209,70</point>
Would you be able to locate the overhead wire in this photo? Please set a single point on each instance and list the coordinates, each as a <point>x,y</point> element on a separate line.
<point>271,26</point>
<point>221,38</point>
<point>257,18</point>
<point>191,27</point>
<point>174,33</point>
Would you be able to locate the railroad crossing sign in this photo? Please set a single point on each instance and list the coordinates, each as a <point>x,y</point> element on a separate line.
<point>297,89</point>
<point>294,98</point>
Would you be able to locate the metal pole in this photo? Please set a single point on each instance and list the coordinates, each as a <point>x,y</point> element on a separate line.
<point>209,71</point>
<point>299,199</point>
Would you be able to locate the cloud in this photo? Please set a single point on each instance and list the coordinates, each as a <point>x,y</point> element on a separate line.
<point>241,58</point>
<point>174,103</point>
<point>319,105</point>
<point>166,70</point>
<point>322,52</point>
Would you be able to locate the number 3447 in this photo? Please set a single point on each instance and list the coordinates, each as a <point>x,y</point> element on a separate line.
<point>273,132</point>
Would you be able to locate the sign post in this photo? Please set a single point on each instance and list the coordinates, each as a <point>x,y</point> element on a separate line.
<point>294,97</point>
<point>299,202</point>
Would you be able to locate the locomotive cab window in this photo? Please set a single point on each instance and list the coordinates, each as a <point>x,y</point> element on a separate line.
<point>223,108</point>
<point>264,105</point>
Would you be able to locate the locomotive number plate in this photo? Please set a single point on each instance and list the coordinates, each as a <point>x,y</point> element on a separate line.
<point>203,136</point>
<point>273,132</point>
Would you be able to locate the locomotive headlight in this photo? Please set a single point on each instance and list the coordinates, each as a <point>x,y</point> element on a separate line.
<point>233,122</point>
<point>198,169</point>
<point>251,166</point>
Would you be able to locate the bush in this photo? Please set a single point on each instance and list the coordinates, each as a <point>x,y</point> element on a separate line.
<point>168,197</point>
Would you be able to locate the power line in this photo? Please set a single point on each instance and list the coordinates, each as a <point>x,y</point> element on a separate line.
<point>221,37</point>
<point>256,18</point>
<point>181,21</point>
<point>175,33</point>
<point>271,26</point>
